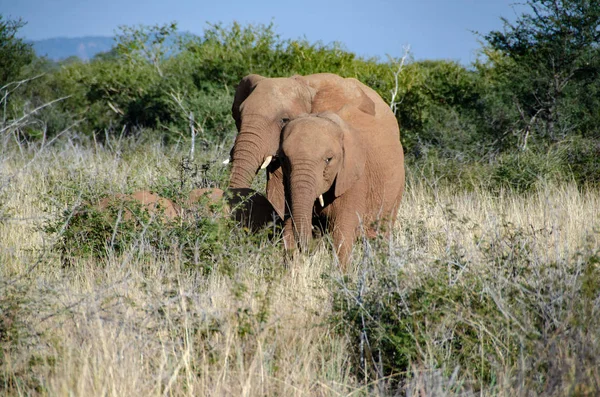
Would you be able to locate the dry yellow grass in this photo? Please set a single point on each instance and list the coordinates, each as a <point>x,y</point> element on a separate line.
<point>563,216</point>
<point>139,324</point>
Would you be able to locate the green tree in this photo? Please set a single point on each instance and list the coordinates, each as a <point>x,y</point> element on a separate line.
<point>14,52</point>
<point>145,43</point>
<point>110,55</point>
<point>553,66</point>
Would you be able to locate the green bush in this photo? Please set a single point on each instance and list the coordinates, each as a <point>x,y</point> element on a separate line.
<point>15,53</point>
<point>93,232</point>
<point>203,236</point>
<point>582,157</point>
<point>523,171</point>
<point>504,314</point>
<point>199,239</point>
<point>428,166</point>
<point>428,89</point>
<point>469,119</point>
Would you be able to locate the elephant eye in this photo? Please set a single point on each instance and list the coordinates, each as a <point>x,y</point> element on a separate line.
<point>328,159</point>
<point>284,120</point>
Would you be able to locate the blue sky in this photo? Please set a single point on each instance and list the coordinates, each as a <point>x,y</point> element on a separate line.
<point>435,29</point>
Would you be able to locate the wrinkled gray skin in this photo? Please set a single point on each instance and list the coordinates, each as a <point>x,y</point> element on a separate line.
<point>262,106</point>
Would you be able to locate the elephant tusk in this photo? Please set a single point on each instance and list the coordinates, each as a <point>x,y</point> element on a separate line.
<point>321,201</point>
<point>267,162</point>
<point>226,161</point>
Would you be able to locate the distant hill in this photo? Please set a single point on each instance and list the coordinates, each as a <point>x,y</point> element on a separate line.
<point>84,47</point>
<point>63,47</point>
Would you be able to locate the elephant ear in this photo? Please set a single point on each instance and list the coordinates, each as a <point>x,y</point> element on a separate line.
<point>354,157</point>
<point>309,91</point>
<point>336,95</point>
<point>363,102</point>
<point>244,88</point>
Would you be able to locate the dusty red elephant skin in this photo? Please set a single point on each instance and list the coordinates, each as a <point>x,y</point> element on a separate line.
<point>262,105</point>
<point>346,167</point>
<point>153,203</point>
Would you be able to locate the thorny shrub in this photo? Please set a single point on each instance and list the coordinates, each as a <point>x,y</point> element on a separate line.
<point>503,313</point>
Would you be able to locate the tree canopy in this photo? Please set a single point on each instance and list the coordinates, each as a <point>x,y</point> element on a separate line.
<point>536,88</point>
<point>555,63</point>
<point>15,53</point>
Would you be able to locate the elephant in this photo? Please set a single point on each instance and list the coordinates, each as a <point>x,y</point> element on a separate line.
<point>346,167</point>
<point>262,105</point>
<point>208,195</point>
<point>246,206</point>
<point>152,203</point>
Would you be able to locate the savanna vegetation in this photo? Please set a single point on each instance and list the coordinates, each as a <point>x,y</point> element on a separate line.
<point>489,285</point>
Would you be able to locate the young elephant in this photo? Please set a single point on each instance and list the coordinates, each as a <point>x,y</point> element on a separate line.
<point>346,167</point>
<point>148,201</point>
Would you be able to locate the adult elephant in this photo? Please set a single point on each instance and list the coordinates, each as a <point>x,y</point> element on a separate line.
<point>346,167</point>
<point>262,106</point>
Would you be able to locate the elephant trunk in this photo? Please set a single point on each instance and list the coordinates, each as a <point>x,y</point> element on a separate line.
<point>245,160</point>
<point>302,193</point>
<point>249,152</point>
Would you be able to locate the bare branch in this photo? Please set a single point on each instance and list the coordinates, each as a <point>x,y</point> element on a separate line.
<point>193,134</point>
<point>7,92</point>
<point>179,101</point>
<point>17,84</point>
<point>18,122</point>
<point>400,65</point>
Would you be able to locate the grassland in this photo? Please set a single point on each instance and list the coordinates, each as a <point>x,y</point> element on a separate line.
<point>474,293</point>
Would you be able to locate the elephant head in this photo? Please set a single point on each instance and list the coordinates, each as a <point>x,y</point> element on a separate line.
<point>262,106</point>
<point>321,156</point>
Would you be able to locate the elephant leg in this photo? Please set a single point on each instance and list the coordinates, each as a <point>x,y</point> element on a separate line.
<point>385,225</point>
<point>344,234</point>
<point>371,233</point>
<point>289,241</point>
<point>276,192</point>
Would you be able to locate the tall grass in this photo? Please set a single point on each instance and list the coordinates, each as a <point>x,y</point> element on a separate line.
<point>143,321</point>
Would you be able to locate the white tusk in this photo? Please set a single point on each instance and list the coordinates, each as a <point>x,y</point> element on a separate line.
<point>267,162</point>
<point>226,161</point>
<point>321,201</point>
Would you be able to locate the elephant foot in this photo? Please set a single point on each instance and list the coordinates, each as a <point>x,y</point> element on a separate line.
<point>289,257</point>
<point>342,258</point>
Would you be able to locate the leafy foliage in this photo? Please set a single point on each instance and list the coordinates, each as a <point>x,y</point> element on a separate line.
<point>15,53</point>
<point>554,65</point>
<point>497,305</point>
<point>125,226</point>
<point>535,90</point>
<point>520,96</point>
<point>498,313</point>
